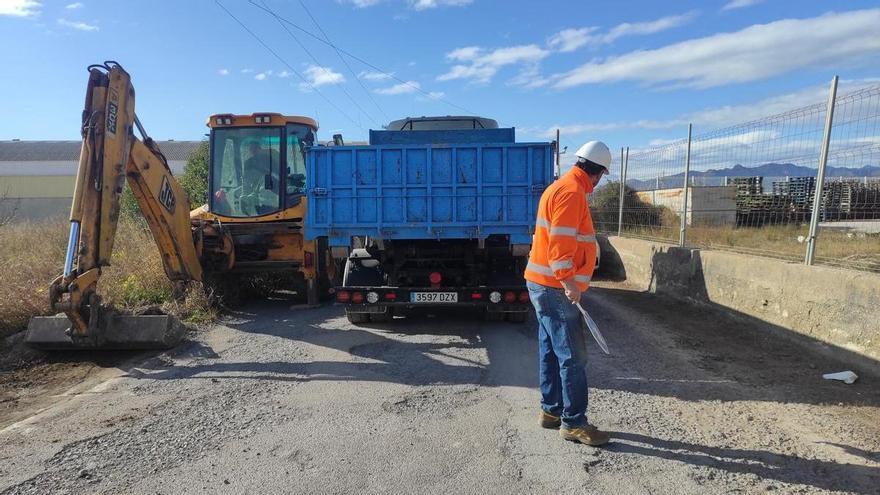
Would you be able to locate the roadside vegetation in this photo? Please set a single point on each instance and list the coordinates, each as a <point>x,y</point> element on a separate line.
<point>32,255</point>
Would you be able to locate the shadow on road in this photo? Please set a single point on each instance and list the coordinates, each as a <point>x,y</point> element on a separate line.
<point>463,353</point>
<point>825,475</point>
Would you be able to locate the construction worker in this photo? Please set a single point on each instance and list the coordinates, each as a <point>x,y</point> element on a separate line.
<point>558,273</point>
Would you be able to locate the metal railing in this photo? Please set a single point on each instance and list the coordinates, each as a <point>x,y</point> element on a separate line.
<point>802,185</point>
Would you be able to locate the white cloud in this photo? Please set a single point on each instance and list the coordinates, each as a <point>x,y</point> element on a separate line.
<point>284,74</point>
<point>75,5</point>
<point>436,95</point>
<point>374,76</point>
<point>320,76</point>
<point>78,25</point>
<point>432,4</point>
<point>361,3</point>
<point>482,65</point>
<point>649,27</point>
<point>260,77</point>
<point>738,4</point>
<point>529,78</point>
<point>19,8</point>
<point>756,52</point>
<point>246,71</point>
<point>715,117</point>
<point>413,4</point>
<point>465,53</point>
<point>223,72</point>
<point>569,40</point>
<point>401,89</point>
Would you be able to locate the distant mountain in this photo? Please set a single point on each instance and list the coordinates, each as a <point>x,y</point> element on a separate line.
<point>776,171</point>
<point>788,170</point>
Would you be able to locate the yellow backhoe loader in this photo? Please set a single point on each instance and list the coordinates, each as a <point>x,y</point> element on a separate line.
<point>252,223</point>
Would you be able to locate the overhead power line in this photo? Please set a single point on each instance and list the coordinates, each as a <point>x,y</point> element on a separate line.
<point>283,61</point>
<point>321,66</point>
<point>355,57</point>
<point>339,54</point>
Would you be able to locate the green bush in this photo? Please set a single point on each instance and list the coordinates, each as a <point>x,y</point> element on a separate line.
<point>194,182</point>
<point>195,176</point>
<point>605,209</point>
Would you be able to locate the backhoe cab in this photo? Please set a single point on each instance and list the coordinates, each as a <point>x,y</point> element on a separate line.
<point>256,200</point>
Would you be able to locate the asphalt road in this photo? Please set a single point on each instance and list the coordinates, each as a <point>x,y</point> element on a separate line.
<point>281,400</point>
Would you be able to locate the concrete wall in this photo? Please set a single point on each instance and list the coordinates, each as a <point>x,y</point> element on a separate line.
<point>831,305</point>
<point>707,205</point>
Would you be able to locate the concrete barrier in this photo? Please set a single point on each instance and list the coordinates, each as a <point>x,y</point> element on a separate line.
<point>835,306</point>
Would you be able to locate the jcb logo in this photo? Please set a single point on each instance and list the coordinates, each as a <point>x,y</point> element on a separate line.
<point>166,195</point>
<point>112,112</point>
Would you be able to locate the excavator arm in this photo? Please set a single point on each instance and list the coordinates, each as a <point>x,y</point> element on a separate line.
<point>111,155</point>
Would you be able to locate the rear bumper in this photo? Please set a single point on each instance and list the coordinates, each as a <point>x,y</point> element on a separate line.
<point>466,298</point>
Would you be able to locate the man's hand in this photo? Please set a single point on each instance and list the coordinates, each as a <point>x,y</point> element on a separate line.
<point>572,292</point>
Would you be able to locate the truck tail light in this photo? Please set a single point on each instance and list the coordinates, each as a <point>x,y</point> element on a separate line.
<point>476,296</point>
<point>524,296</point>
<point>509,296</point>
<point>357,297</point>
<point>435,278</point>
<point>343,296</point>
<point>391,296</point>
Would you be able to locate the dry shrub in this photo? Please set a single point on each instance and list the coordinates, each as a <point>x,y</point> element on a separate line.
<point>32,255</point>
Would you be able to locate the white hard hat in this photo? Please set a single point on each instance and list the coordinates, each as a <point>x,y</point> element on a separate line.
<point>596,152</point>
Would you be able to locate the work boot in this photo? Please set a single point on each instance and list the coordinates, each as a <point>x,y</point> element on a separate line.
<point>549,421</point>
<point>588,435</point>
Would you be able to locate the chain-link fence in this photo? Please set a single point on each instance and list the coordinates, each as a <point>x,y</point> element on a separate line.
<point>753,187</point>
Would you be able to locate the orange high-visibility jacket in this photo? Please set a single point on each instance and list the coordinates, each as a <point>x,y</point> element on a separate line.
<point>564,244</point>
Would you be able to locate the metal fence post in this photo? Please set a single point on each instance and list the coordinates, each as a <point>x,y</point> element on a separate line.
<point>623,162</point>
<point>820,177</point>
<point>682,234</point>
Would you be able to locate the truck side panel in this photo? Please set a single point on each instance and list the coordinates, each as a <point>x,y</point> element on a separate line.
<point>453,191</point>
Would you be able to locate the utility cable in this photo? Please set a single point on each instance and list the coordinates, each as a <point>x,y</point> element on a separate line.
<point>338,53</point>
<point>355,57</point>
<point>320,65</point>
<point>274,53</point>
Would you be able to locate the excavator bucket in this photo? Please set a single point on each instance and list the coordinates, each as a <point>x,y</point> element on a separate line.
<point>119,332</point>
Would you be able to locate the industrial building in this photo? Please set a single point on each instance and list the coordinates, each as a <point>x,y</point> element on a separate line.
<point>37,177</point>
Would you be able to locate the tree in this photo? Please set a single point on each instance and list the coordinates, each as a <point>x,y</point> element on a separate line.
<point>194,182</point>
<point>605,208</point>
<point>195,176</point>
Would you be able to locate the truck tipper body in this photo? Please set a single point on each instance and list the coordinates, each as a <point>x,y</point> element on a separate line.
<point>433,212</point>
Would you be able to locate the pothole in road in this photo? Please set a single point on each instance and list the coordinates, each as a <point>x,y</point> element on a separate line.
<point>433,400</point>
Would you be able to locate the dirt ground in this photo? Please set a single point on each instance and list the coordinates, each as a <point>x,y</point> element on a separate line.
<point>281,400</point>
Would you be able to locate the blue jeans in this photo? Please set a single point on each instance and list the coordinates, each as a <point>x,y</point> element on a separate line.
<point>562,355</point>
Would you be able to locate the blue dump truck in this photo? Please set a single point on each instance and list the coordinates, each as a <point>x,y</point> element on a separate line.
<point>434,211</point>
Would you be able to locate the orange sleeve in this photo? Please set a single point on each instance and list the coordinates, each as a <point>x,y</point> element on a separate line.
<point>565,216</point>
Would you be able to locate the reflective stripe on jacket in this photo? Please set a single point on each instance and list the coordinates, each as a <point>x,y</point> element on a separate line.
<point>564,244</point>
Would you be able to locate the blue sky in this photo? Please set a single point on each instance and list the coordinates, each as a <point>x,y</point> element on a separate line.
<point>627,72</point>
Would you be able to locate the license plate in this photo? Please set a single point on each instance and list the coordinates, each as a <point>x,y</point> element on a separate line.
<point>433,297</point>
